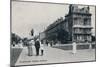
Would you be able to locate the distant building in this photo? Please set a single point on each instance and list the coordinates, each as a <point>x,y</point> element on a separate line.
<point>75,27</point>
<point>42,35</point>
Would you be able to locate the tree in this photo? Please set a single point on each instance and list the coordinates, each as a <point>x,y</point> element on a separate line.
<point>15,39</point>
<point>62,35</point>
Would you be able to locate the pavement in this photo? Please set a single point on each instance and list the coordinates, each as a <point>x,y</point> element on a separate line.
<point>55,55</point>
<point>15,52</point>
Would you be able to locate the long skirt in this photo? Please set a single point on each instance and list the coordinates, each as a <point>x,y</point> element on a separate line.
<point>30,51</point>
<point>74,49</point>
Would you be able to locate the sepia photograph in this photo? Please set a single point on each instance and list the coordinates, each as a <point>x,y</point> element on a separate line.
<point>52,33</point>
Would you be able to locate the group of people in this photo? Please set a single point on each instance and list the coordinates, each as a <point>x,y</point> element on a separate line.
<point>38,47</point>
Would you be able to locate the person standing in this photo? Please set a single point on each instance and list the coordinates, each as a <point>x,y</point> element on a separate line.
<point>37,47</point>
<point>46,42</point>
<point>42,48</point>
<point>90,45</point>
<point>30,49</point>
<point>74,47</point>
<point>51,43</point>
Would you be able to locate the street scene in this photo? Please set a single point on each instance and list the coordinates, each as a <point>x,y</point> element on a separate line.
<point>47,33</point>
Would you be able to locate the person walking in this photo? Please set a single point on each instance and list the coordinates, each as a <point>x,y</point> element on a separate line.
<point>74,47</point>
<point>37,46</point>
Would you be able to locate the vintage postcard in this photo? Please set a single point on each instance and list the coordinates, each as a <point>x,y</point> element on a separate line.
<point>51,33</point>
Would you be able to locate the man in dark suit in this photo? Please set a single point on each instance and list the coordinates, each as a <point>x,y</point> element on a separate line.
<point>37,46</point>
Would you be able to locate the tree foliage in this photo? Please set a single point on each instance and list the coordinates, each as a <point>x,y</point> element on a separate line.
<point>62,35</point>
<point>15,39</point>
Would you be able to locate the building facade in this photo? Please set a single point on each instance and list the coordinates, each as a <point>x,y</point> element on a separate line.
<point>76,26</point>
<point>79,23</point>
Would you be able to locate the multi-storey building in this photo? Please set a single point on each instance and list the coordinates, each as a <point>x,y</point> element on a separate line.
<point>75,27</point>
<point>79,20</point>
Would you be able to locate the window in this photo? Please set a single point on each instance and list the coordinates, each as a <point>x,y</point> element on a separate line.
<point>75,21</point>
<point>85,21</point>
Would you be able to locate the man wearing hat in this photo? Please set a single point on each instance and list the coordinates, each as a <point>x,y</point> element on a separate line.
<point>37,46</point>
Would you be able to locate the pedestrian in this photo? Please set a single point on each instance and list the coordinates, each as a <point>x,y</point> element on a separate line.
<point>20,44</point>
<point>46,42</point>
<point>51,43</point>
<point>37,46</point>
<point>74,47</point>
<point>42,48</point>
<point>90,45</point>
<point>30,49</point>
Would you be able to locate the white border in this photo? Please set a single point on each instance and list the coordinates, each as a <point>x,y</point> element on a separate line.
<point>5,33</point>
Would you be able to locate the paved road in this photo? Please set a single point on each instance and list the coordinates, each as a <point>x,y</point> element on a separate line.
<point>55,55</point>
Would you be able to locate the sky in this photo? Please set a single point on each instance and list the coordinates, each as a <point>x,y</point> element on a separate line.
<point>37,16</point>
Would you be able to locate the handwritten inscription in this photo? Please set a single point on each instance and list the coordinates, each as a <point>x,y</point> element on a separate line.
<point>33,61</point>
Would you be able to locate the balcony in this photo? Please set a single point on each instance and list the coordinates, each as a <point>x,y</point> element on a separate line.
<point>82,26</point>
<point>82,32</point>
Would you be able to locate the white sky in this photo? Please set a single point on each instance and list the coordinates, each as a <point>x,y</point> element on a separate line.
<point>28,15</point>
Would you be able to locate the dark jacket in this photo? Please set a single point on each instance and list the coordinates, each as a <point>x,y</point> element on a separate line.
<point>37,44</point>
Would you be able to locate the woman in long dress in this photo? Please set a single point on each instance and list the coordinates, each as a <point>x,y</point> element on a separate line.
<point>30,49</point>
<point>74,47</point>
